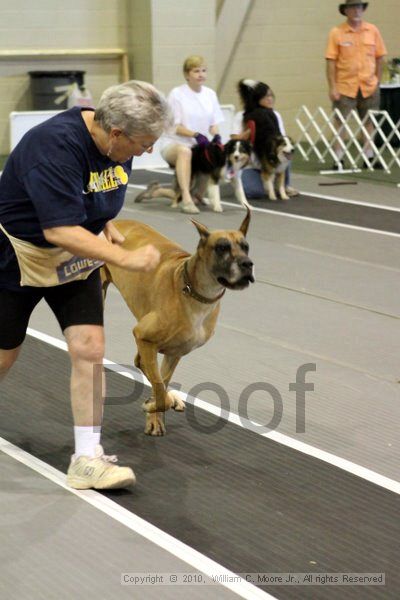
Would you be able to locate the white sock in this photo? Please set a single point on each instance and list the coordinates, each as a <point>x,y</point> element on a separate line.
<point>339,154</point>
<point>86,440</point>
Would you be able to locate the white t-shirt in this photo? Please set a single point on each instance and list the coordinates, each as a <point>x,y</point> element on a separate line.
<point>197,111</point>
<point>237,124</point>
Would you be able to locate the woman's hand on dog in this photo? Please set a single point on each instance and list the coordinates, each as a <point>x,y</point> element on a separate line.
<point>201,140</point>
<point>144,259</point>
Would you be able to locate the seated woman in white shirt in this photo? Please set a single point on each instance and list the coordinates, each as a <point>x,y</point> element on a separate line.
<point>268,101</point>
<point>196,113</point>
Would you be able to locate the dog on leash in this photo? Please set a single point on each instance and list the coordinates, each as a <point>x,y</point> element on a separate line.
<point>207,163</point>
<point>272,152</point>
<point>237,157</point>
<point>210,165</point>
<point>274,161</point>
<point>176,305</point>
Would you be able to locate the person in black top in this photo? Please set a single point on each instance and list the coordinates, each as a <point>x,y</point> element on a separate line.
<point>261,121</point>
<point>61,186</point>
<point>260,118</point>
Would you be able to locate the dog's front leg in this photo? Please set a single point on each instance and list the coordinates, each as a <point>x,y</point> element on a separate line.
<point>155,406</point>
<point>215,198</point>
<point>239,191</point>
<point>168,367</point>
<point>281,186</point>
<point>268,182</point>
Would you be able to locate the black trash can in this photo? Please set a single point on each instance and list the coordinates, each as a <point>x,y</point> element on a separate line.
<point>390,101</point>
<point>43,84</point>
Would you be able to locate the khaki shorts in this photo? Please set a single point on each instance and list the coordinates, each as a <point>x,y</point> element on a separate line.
<point>169,151</point>
<point>360,104</point>
<point>166,153</point>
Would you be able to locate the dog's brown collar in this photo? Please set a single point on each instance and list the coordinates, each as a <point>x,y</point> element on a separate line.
<point>189,291</point>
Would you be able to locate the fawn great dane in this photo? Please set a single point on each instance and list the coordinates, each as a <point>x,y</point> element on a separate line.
<point>177,304</point>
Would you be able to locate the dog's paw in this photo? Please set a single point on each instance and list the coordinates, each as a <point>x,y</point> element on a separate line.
<point>155,424</point>
<point>217,209</point>
<point>176,402</point>
<point>149,405</point>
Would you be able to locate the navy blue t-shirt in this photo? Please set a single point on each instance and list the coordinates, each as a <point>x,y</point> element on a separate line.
<point>56,176</point>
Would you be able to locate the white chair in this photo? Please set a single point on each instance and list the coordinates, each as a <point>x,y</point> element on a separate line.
<point>21,122</point>
<point>150,161</point>
<point>225,128</point>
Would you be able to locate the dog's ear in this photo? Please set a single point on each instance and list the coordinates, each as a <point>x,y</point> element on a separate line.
<point>246,221</point>
<point>202,229</point>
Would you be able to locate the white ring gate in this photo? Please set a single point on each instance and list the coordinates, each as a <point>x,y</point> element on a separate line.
<point>319,136</point>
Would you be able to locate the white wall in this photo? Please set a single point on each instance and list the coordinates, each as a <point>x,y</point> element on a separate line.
<point>50,24</point>
<point>281,43</point>
<point>181,28</point>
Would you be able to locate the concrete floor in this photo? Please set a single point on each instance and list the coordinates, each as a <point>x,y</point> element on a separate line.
<point>325,295</point>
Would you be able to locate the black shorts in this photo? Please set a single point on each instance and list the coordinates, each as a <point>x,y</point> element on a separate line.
<point>76,303</point>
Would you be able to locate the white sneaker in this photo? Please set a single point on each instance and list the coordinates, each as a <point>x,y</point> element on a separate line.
<point>99,472</point>
<point>292,192</point>
<point>189,208</point>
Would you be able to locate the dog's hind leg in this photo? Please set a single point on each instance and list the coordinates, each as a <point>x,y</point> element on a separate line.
<point>199,189</point>
<point>268,183</point>
<point>281,186</point>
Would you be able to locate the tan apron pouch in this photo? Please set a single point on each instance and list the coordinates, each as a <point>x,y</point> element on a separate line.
<point>47,267</point>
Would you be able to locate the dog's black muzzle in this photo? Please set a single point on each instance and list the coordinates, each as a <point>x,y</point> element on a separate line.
<point>245,275</point>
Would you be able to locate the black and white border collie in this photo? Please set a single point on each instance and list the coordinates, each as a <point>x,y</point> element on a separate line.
<point>210,166</point>
<point>237,157</point>
<point>279,152</point>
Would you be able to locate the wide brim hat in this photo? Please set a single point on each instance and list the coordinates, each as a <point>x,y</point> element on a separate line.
<point>351,3</point>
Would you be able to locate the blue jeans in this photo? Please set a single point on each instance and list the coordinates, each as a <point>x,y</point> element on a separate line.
<point>287,174</point>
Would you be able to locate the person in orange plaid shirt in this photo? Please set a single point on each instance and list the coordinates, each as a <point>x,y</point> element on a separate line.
<point>354,57</point>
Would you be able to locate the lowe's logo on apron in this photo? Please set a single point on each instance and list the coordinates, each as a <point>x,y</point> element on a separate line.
<point>69,270</point>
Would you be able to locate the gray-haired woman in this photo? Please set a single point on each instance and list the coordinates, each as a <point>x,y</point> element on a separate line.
<point>61,186</point>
